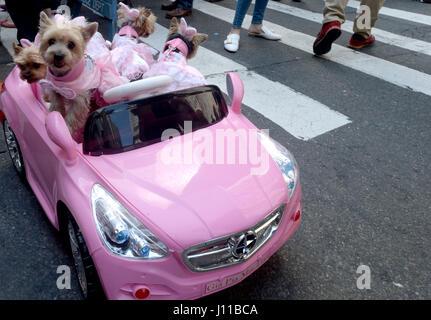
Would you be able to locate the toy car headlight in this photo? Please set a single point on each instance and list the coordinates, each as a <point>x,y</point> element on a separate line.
<point>120,231</point>
<point>284,159</point>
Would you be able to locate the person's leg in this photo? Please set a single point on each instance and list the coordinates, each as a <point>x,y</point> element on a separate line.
<point>259,11</point>
<point>334,11</point>
<point>256,28</point>
<point>231,43</point>
<point>363,29</point>
<point>25,18</point>
<point>240,12</point>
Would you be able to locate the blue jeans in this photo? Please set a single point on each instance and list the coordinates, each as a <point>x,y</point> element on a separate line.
<point>241,10</point>
<point>185,4</point>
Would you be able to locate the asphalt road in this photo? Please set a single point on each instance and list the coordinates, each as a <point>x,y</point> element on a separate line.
<point>366,184</point>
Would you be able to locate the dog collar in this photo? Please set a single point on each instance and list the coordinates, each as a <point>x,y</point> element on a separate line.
<point>174,45</point>
<point>72,74</point>
<point>128,31</point>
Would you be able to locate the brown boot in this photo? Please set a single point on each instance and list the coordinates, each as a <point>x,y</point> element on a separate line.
<point>178,12</point>
<point>170,5</point>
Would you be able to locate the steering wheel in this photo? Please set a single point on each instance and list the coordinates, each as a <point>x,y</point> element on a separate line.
<point>136,89</point>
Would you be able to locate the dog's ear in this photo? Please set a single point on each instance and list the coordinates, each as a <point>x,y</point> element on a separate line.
<point>174,25</point>
<point>44,22</point>
<point>89,30</point>
<point>17,49</point>
<point>199,38</point>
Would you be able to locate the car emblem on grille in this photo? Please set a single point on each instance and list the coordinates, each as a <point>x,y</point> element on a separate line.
<point>243,244</point>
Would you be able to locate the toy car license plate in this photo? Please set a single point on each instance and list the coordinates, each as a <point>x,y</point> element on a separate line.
<point>231,280</point>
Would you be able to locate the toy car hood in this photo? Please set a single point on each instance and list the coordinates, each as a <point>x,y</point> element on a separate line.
<point>191,202</point>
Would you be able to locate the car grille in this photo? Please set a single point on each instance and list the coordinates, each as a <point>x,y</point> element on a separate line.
<point>235,248</point>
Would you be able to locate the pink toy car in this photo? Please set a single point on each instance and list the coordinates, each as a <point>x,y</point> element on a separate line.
<point>141,227</point>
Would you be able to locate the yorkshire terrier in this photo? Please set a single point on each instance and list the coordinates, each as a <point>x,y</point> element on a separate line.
<point>182,44</point>
<point>30,62</point>
<point>141,19</point>
<point>71,76</point>
<point>131,57</point>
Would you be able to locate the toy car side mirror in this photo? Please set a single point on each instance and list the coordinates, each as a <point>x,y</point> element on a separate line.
<point>235,90</point>
<point>59,134</point>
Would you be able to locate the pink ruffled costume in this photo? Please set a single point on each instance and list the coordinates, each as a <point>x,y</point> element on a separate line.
<point>131,59</point>
<point>88,75</point>
<point>173,62</point>
<point>95,70</point>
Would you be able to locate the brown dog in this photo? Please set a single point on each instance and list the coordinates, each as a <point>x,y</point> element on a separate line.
<point>62,45</point>
<point>30,62</point>
<point>141,19</point>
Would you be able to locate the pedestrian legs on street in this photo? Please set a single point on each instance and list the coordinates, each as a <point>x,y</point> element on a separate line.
<point>334,11</point>
<point>364,30</point>
<point>256,28</point>
<point>334,16</point>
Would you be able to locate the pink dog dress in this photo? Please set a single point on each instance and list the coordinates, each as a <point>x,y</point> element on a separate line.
<point>88,75</point>
<point>173,63</point>
<point>131,58</point>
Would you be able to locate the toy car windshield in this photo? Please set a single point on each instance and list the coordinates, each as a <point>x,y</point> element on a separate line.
<point>135,124</point>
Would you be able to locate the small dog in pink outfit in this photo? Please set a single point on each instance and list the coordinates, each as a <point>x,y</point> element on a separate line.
<point>74,79</point>
<point>130,57</point>
<point>182,44</point>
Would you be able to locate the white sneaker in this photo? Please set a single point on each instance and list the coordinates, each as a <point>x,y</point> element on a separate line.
<point>266,34</point>
<point>231,43</point>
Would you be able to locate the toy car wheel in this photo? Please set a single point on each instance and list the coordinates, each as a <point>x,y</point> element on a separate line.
<point>14,150</point>
<point>88,278</point>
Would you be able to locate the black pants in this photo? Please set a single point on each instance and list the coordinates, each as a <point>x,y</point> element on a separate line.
<point>25,16</point>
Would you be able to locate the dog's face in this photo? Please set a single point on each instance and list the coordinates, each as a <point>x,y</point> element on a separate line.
<point>195,42</point>
<point>144,24</point>
<point>62,45</point>
<point>30,62</point>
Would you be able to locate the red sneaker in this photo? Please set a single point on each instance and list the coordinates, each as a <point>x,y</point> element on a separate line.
<point>357,41</point>
<point>329,33</point>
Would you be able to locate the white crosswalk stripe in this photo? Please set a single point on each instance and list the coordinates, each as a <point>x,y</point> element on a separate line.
<point>381,35</point>
<point>301,116</point>
<point>373,66</point>
<point>399,14</point>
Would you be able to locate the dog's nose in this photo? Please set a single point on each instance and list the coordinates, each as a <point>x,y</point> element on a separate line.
<point>58,57</point>
<point>27,75</point>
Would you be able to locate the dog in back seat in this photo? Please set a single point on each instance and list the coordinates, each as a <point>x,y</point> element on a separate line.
<point>182,44</point>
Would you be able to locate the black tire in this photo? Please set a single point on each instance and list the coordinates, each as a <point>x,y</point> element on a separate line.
<point>88,278</point>
<point>14,150</point>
